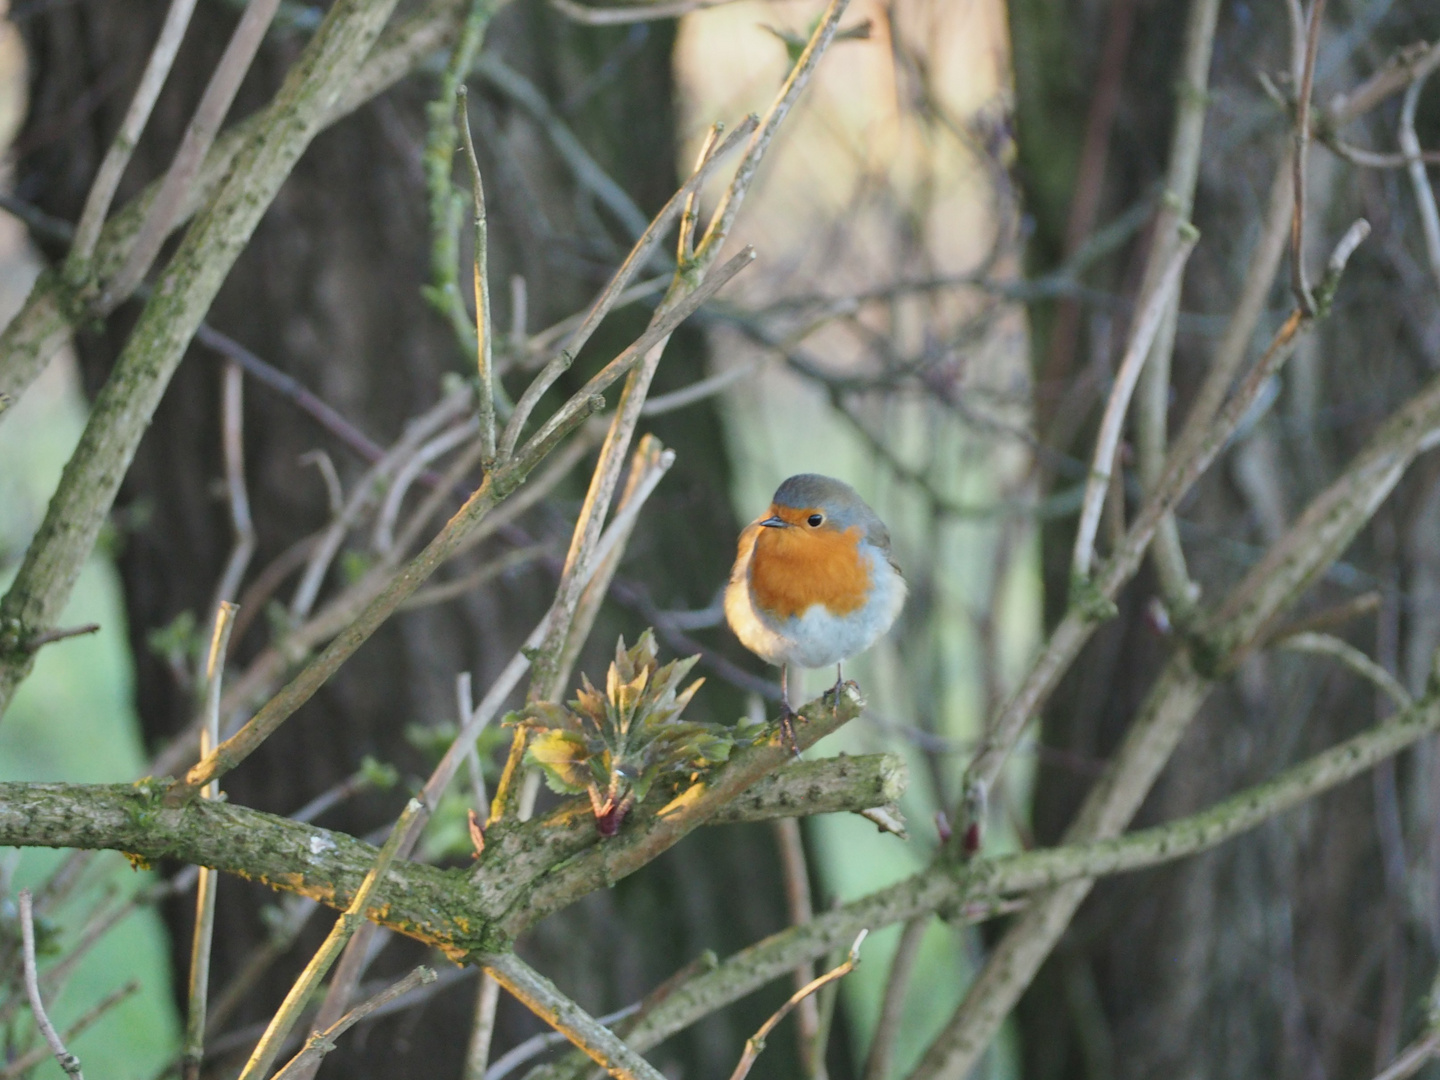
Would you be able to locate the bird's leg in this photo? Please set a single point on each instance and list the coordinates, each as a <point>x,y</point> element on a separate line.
<point>839,683</point>
<point>787,713</point>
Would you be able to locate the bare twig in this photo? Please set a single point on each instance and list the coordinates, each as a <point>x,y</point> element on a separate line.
<point>795,872</point>
<point>107,180</point>
<point>1354,659</point>
<point>232,411</point>
<point>1107,442</point>
<point>22,1065</point>
<point>685,243</point>
<point>892,1006</point>
<point>1300,283</point>
<point>365,896</point>
<point>482,1031</point>
<point>1181,177</point>
<point>612,294</point>
<point>60,634</point>
<point>1415,166</point>
<point>612,16</point>
<point>1192,455</point>
<point>484,334</point>
<point>199,986</point>
<point>541,997</point>
<point>536,1045</point>
<point>756,1042</point>
<point>383,538</point>
<point>199,135</point>
<point>586,169</point>
<point>68,1061</point>
<point>321,1043</point>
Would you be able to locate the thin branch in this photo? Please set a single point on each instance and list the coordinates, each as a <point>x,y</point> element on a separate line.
<point>22,1065</point>
<point>1181,178</point>
<point>1415,166</point>
<point>685,242</point>
<point>1300,284</point>
<point>321,1043</point>
<point>507,799</point>
<point>795,873</point>
<point>613,293</point>
<point>383,538</point>
<point>445,204</point>
<point>482,1031</point>
<point>541,997</point>
<point>725,214</point>
<point>497,485</point>
<point>199,986</point>
<point>1147,326</point>
<point>586,169</point>
<point>613,16</point>
<point>1354,659</point>
<point>1192,455</point>
<point>536,1045</point>
<point>122,410</point>
<point>68,1061</point>
<point>892,1006</point>
<point>756,1042</point>
<point>107,180</point>
<point>365,897</point>
<point>60,634</point>
<point>483,325</point>
<point>232,411</point>
<point>194,145</point>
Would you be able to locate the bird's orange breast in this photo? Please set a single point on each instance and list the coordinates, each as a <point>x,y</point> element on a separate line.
<point>796,567</point>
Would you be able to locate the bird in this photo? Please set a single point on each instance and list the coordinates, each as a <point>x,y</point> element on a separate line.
<point>814,581</point>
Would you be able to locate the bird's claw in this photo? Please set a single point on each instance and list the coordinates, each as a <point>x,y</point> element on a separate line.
<point>788,717</point>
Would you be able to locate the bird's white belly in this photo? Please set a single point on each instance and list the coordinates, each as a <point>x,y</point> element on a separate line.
<point>816,637</point>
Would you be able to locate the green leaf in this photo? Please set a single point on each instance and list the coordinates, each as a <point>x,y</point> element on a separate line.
<point>562,756</point>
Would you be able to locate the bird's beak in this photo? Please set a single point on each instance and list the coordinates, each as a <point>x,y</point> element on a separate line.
<point>775,523</point>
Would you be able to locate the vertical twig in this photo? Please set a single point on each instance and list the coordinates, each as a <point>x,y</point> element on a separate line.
<point>796,875</point>
<point>445,201</point>
<point>68,1061</point>
<point>465,708</point>
<point>1299,279</point>
<point>477,1052</point>
<point>1181,178</point>
<point>209,114</point>
<point>892,1006</point>
<point>483,334</point>
<point>1415,165</point>
<point>1142,337</point>
<point>685,245</point>
<point>295,1001</point>
<point>507,798</point>
<point>107,180</point>
<point>199,991</point>
<point>232,411</point>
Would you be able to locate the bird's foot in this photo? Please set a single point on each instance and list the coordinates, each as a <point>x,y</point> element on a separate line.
<point>837,691</point>
<point>788,716</point>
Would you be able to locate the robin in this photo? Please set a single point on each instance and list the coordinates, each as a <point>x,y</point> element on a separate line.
<point>814,581</point>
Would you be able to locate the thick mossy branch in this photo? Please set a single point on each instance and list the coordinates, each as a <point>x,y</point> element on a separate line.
<point>444,908</point>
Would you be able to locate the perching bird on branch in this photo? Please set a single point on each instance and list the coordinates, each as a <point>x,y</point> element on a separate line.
<point>814,581</point>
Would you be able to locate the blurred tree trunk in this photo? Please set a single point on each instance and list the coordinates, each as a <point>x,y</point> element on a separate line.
<point>1299,950</point>
<point>329,292</point>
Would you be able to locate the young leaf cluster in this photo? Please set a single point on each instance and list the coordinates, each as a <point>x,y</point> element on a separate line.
<point>615,746</point>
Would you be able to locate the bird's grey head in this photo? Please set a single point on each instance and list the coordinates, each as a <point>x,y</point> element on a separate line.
<point>840,502</point>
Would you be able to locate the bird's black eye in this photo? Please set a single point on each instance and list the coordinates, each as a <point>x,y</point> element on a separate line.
<point>816,520</point>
